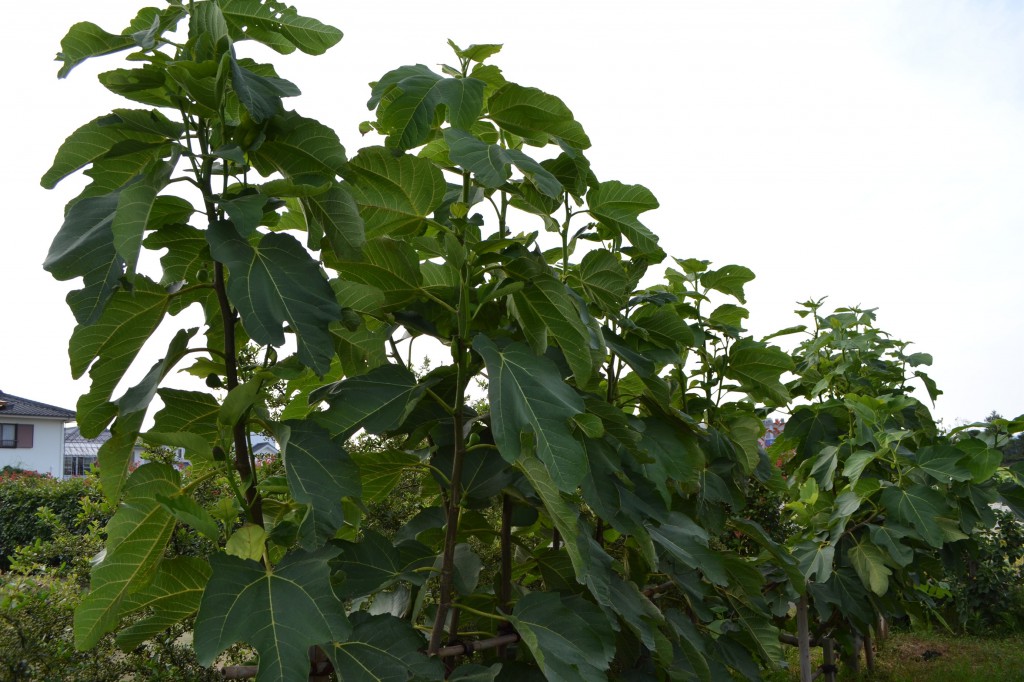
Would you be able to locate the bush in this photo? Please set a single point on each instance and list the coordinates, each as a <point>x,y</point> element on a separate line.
<point>23,493</point>
<point>36,640</point>
<point>38,596</point>
<point>988,589</point>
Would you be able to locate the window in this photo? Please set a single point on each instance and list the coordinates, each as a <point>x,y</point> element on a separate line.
<point>8,435</point>
<point>16,435</point>
<point>78,465</point>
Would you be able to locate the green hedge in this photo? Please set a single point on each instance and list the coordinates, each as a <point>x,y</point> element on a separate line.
<point>22,494</point>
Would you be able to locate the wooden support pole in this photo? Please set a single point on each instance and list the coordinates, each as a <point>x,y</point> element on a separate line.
<point>852,660</point>
<point>803,634</point>
<point>828,666</point>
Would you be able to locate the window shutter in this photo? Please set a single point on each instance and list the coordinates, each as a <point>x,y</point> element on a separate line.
<point>23,439</point>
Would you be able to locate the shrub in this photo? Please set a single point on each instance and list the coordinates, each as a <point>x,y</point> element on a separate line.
<point>23,493</point>
<point>38,596</point>
<point>988,590</point>
<point>36,640</point>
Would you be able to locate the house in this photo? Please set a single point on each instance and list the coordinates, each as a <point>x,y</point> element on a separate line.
<point>263,447</point>
<point>773,428</point>
<point>32,435</point>
<point>81,453</point>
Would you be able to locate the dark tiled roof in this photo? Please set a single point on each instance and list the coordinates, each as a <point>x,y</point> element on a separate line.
<point>77,444</point>
<point>15,406</point>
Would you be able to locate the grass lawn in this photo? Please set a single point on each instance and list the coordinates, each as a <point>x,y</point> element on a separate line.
<point>934,657</point>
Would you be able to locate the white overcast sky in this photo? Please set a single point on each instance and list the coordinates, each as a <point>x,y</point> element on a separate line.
<point>871,152</point>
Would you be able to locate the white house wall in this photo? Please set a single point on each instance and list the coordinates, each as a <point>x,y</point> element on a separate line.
<point>46,456</point>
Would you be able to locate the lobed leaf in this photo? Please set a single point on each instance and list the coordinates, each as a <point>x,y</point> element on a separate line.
<point>619,206</point>
<point>568,636</point>
<point>536,116</point>
<point>136,537</point>
<point>280,612</point>
<point>279,26</point>
<point>171,597</point>
<point>382,648</point>
<point>320,473</point>
<point>528,398</point>
<point>276,281</point>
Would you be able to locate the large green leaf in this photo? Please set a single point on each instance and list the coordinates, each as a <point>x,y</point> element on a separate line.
<point>115,455</point>
<point>374,563</point>
<point>568,636</point>
<point>381,471</point>
<point>189,420</point>
<point>619,206</point>
<point>673,452</point>
<point>536,116</point>
<point>408,99</point>
<point>620,599</point>
<point>383,649</point>
<point>85,40</point>
<point>982,461</point>
<point>320,473</point>
<point>604,280</point>
<point>783,559</point>
<point>918,506</point>
<point>564,516</point>
<point>334,214</point>
<point>99,137</point>
<point>84,247</point>
<point>687,542</point>
<point>728,279</point>
<point>664,326</point>
<point>942,462</point>
<point>395,193</point>
<point>492,164</point>
<point>187,253</point>
<point>260,95</point>
<point>378,401</point>
<point>278,26</point>
<point>134,205</point>
<point>275,282</point>
<point>693,646</point>
<point>890,537</point>
<point>389,265</point>
<point>299,148</point>
<point>869,562</point>
<point>816,559</point>
<point>530,410</point>
<point>641,363</point>
<point>108,347</point>
<point>280,612</point>
<point>136,537</point>
<point>172,596</point>
<point>489,163</point>
<point>759,367</point>
<point>545,303</point>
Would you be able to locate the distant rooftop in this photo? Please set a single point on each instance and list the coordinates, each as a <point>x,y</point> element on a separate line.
<point>16,406</point>
<point>77,444</point>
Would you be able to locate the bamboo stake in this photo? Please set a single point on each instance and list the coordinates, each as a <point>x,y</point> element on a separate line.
<point>804,635</point>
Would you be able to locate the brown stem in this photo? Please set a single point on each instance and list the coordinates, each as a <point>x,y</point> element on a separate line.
<point>505,586</point>
<point>243,460</point>
<point>454,508</point>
